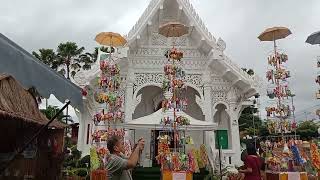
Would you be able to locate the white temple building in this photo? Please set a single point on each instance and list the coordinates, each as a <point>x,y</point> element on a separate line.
<point>218,89</point>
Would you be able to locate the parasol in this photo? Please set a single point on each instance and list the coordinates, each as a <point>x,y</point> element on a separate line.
<point>314,38</point>
<point>274,33</point>
<point>110,39</point>
<point>173,29</point>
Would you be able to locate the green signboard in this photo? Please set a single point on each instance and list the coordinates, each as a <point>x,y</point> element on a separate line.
<point>222,135</point>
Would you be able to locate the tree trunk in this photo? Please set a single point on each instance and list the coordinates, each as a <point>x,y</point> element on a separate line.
<point>68,67</point>
<point>68,71</point>
<point>68,77</point>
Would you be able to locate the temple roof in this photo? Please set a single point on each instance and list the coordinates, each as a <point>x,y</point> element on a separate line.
<point>160,12</point>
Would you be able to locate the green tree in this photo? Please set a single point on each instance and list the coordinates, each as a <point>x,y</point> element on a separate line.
<point>72,57</point>
<point>246,125</point>
<point>47,56</point>
<point>69,58</point>
<point>307,130</point>
<point>50,111</point>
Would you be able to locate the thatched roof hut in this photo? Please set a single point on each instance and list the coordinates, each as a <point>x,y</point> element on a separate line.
<point>20,119</point>
<point>16,103</point>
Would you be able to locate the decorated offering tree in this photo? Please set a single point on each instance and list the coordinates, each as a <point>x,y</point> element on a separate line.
<point>172,155</point>
<point>279,111</point>
<point>109,118</point>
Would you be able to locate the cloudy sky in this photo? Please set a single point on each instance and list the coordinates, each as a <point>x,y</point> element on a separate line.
<point>38,24</point>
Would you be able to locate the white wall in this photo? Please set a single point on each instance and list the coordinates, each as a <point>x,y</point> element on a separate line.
<point>197,137</point>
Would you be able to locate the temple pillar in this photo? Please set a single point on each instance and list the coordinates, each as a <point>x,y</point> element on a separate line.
<point>129,96</point>
<point>234,128</point>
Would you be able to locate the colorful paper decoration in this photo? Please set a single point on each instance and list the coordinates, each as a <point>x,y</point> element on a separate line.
<point>94,159</point>
<point>111,101</point>
<point>315,156</point>
<point>277,75</point>
<point>296,155</point>
<point>175,101</point>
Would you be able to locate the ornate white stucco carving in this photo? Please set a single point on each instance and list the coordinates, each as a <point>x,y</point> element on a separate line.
<point>181,41</point>
<point>147,78</point>
<point>200,103</point>
<point>194,65</point>
<point>159,40</point>
<point>157,78</point>
<point>221,44</point>
<point>153,7</point>
<point>218,96</point>
<point>219,84</point>
<point>156,51</point>
<point>233,94</point>
<point>83,77</point>
<point>137,100</point>
<point>187,6</point>
<point>144,17</point>
<point>254,80</point>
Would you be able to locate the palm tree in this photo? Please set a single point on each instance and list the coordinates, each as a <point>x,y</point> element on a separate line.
<point>47,56</point>
<point>69,55</point>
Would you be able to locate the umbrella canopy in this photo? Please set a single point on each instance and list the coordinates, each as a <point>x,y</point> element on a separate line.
<point>110,39</point>
<point>274,33</point>
<point>314,38</point>
<point>173,29</point>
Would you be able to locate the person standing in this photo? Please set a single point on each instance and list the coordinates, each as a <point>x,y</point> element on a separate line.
<point>253,164</point>
<point>118,165</point>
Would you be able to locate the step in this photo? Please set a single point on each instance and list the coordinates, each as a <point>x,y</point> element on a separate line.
<point>154,173</point>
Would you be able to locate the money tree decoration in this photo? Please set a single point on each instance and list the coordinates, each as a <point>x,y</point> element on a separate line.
<point>175,102</point>
<point>277,75</point>
<point>314,39</point>
<point>107,94</point>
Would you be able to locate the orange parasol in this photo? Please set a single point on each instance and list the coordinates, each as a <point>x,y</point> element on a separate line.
<point>274,33</point>
<point>110,39</point>
<point>173,29</point>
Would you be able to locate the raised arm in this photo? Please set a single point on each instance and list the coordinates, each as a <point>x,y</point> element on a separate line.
<point>135,155</point>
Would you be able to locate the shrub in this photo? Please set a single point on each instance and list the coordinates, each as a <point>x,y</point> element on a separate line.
<point>84,160</point>
<point>81,172</point>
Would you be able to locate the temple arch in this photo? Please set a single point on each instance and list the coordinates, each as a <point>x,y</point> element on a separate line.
<point>222,118</point>
<point>149,98</point>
